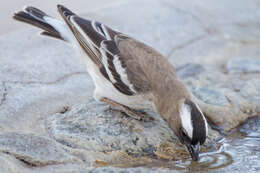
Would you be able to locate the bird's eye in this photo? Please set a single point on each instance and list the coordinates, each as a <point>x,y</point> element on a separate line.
<point>183,132</point>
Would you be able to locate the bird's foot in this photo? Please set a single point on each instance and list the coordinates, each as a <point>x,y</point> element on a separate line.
<point>136,114</point>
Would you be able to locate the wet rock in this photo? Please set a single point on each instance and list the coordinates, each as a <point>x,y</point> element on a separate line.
<point>61,168</point>
<point>131,170</point>
<point>237,65</point>
<point>34,150</point>
<point>251,128</point>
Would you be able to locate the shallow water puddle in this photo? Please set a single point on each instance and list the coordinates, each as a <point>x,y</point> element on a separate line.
<point>240,152</point>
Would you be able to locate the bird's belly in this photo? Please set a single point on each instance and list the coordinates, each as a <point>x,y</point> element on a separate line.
<point>135,102</point>
<point>104,88</point>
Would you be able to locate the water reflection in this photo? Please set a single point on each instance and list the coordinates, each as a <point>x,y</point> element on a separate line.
<point>240,152</point>
<point>208,161</point>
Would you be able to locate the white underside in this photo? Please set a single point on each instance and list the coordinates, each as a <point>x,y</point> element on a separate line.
<point>103,88</point>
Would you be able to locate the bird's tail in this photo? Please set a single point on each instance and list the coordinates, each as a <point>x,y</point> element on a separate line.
<point>36,17</point>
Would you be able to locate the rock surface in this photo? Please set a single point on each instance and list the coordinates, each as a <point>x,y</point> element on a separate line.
<point>243,66</point>
<point>95,127</point>
<point>34,150</point>
<point>50,123</point>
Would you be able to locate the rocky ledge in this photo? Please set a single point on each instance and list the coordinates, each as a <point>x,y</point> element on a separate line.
<point>50,123</point>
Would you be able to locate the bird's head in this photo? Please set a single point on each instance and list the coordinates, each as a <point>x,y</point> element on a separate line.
<point>190,127</point>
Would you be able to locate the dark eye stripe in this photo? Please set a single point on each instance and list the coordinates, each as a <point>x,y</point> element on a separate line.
<point>198,123</point>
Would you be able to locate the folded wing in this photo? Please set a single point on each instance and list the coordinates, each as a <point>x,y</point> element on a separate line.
<point>100,43</point>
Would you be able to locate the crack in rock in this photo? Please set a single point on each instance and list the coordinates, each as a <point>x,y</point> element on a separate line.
<point>46,83</point>
<point>20,159</point>
<point>195,18</point>
<point>5,92</point>
<point>4,96</point>
<point>189,42</point>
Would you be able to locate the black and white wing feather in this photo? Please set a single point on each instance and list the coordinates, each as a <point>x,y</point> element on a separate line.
<point>100,43</point>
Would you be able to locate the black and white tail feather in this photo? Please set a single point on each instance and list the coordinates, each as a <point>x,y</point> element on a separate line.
<point>36,17</point>
<point>98,41</point>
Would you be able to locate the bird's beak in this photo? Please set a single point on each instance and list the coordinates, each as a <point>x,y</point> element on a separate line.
<point>194,151</point>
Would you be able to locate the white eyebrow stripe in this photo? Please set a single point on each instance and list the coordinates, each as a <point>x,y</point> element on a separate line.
<point>185,115</point>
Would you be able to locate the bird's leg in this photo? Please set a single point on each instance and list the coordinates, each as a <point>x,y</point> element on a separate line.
<point>138,115</point>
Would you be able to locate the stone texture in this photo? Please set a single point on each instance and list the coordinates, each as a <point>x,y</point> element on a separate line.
<point>154,24</point>
<point>31,102</point>
<point>10,164</point>
<point>33,150</point>
<point>214,50</point>
<point>131,170</point>
<point>2,93</point>
<point>211,96</point>
<point>251,90</point>
<point>237,20</point>
<point>96,129</point>
<point>220,98</point>
<point>243,66</point>
<point>189,70</point>
<point>45,93</point>
<point>26,64</point>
